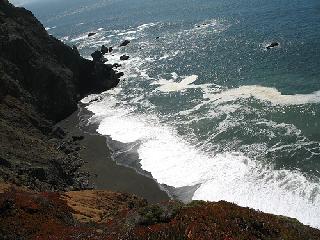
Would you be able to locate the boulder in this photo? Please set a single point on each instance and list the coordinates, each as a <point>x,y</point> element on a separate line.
<point>110,49</point>
<point>97,56</point>
<point>120,74</point>
<point>75,50</point>
<point>272,45</point>
<point>116,65</point>
<point>124,57</point>
<point>124,43</point>
<point>104,49</point>
<point>91,34</point>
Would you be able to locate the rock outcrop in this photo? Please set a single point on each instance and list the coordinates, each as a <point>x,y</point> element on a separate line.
<point>91,34</point>
<point>124,57</point>
<point>41,82</point>
<point>124,43</point>
<point>272,45</point>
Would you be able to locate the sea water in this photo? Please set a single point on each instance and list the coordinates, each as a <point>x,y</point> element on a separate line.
<point>202,101</point>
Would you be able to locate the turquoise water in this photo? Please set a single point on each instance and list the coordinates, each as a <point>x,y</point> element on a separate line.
<point>203,102</point>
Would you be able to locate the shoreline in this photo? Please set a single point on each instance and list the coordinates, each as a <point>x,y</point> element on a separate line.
<point>105,173</point>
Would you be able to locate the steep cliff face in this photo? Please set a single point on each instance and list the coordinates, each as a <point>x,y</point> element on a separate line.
<point>41,81</point>
<point>43,70</point>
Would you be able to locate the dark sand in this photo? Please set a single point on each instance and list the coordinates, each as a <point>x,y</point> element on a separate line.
<point>105,173</point>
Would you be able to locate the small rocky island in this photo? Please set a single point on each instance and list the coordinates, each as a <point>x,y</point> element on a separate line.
<point>44,193</point>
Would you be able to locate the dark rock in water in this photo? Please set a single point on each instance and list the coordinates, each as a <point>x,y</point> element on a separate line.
<point>77,138</point>
<point>272,45</point>
<point>104,49</point>
<point>97,56</point>
<point>124,57</point>
<point>120,74</point>
<point>91,34</point>
<point>124,43</point>
<point>116,65</point>
<point>110,49</point>
<point>157,37</point>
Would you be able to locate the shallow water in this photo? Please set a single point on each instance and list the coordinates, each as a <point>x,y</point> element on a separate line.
<point>203,101</point>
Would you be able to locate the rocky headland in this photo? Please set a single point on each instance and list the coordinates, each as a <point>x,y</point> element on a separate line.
<point>44,191</point>
<point>41,82</point>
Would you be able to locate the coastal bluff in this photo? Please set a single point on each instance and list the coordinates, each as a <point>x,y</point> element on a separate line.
<point>41,82</point>
<point>44,194</point>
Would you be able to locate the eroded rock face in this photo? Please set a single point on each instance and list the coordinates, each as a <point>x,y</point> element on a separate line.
<point>41,82</point>
<point>52,73</point>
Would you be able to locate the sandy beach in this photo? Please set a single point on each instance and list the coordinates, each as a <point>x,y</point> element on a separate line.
<point>106,174</point>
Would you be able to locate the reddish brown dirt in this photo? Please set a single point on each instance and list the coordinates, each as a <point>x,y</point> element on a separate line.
<point>108,215</point>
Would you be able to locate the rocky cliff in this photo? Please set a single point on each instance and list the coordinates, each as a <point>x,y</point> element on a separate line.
<point>41,82</point>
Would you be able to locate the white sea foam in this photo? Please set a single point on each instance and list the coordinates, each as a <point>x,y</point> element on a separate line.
<point>146,26</point>
<point>271,95</point>
<point>64,39</point>
<point>173,86</point>
<point>229,176</point>
<point>49,28</point>
<point>212,25</point>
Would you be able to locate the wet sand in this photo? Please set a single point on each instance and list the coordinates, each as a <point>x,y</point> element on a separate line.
<point>105,173</point>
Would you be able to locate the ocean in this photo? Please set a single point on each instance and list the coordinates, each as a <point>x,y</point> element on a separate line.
<point>202,101</point>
